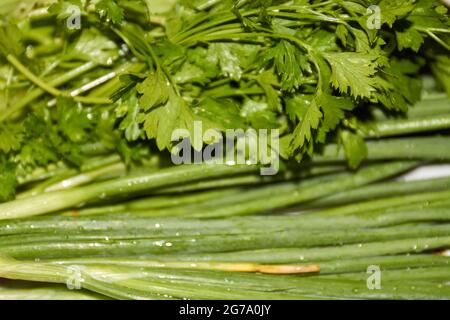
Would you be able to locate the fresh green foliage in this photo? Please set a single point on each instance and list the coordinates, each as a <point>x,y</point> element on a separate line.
<point>353,73</point>
<point>257,60</point>
<point>110,11</point>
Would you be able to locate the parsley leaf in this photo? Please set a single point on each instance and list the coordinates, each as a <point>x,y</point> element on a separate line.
<point>64,9</point>
<point>409,39</point>
<point>110,11</point>
<point>128,107</point>
<point>259,115</point>
<point>333,109</point>
<point>73,120</point>
<point>392,10</point>
<point>309,122</point>
<point>224,112</point>
<point>10,40</point>
<point>267,81</point>
<point>291,64</point>
<point>11,137</point>
<point>161,121</point>
<point>353,72</point>
<point>155,90</point>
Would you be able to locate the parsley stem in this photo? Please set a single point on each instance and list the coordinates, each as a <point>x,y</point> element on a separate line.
<point>438,40</point>
<point>92,100</point>
<point>220,18</point>
<point>110,171</point>
<point>37,92</point>
<point>49,88</point>
<point>303,17</point>
<point>232,36</point>
<point>55,171</point>
<point>32,77</point>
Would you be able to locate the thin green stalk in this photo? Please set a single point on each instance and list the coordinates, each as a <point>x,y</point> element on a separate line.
<point>195,34</point>
<point>292,255</point>
<point>127,282</point>
<point>176,227</point>
<point>388,204</point>
<point>307,286</point>
<point>345,181</point>
<point>155,202</point>
<point>395,262</point>
<point>430,206</point>
<point>29,271</point>
<point>60,200</point>
<point>398,127</point>
<point>32,77</point>
<point>115,84</point>
<point>223,195</point>
<point>340,266</point>
<point>264,192</point>
<point>424,148</point>
<point>218,18</point>
<point>44,173</point>
<point>111,171</point>
<point>382,190</point>
<point>36,93</point>
<point>295,173</point>
<point>139,243</point>
<point>59,171</point>
<point>434,105</point>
